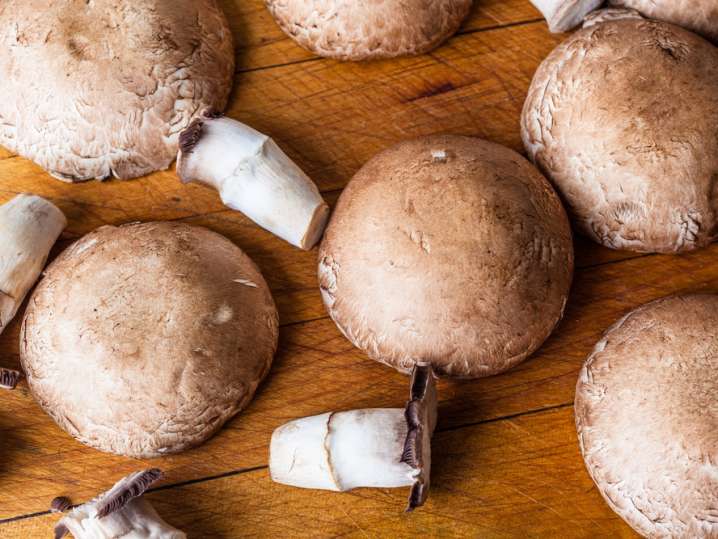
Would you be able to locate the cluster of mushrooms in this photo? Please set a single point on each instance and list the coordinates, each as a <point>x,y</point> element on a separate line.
<point>621,119</point>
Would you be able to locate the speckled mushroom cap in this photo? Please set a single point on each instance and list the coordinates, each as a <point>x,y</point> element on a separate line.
<point>647,417</point>
<point>701,16</point>
<point>144,339</point>
<point>93,89</point>
<point>351,30</point>
<point>623,118</point>
<point>448,250</point>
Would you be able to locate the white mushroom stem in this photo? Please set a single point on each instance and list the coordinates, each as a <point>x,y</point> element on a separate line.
<point>138,519</point>
<point>121,512</point>
<point>563,15</point>
<point>343,450</point>
<point>253,175</point>
<point>29,227</point>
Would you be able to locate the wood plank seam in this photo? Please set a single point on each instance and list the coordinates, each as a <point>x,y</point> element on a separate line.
<point>240,471</point>
<point>460,33</point>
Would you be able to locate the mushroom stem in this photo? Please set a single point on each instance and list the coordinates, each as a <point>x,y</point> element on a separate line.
<point>253,175</point>
<point>373,447</point>
<point>29,227</point>
<point>563,15</point>
<point>342,450</point>
<point>119,512</point>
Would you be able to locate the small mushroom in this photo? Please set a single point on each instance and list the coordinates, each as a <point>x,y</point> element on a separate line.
<point>647,417</point>
<point>700,16</point>
<point>171,326</point>
<point>374,447</point>
<point>447,250</point>
<point>351,30</point>
<point>607,120</point>
<point>29,227</point>
<point>102,88</point>
<point>253,175</point>
<point>119,512</point>
<point>60,504</point>
<point>9,378</point>
<point>564,15</point>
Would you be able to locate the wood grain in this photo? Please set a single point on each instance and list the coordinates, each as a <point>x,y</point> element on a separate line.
<point>507,464</point>
<point>260,43</point>
<point>521,477</point>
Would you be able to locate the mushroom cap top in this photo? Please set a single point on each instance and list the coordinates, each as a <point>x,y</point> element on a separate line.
<point>647,417</point>
<point>623,118</point>
<point>103,88</point>
<point>144,339</point>
<point>700,16</point>
<point>447,250</point>
<point>351,30</point>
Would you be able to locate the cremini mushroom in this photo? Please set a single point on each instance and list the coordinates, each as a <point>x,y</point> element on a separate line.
<point>700,16</point>
<point>607,120</point>
<point>253,175</point>
<point>29,227</point>
<point>373,447</point>
<point>447,250</point>
<point>121,512</point>
<point>144,339</point>
<point>351,30</point>
<point>647,417</point>
<point>563,15</point>
<point>93,89</point>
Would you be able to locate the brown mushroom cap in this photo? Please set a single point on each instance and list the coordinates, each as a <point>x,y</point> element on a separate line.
<point>623,118</point>
<point>352,30</point>
<point>447,250</point>
<point>144,339</point>
<point>647,417</point>
<point>103,88</point>
<point>701,16</point>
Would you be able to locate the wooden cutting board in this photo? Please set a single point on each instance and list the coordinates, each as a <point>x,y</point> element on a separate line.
<point>506,459</point>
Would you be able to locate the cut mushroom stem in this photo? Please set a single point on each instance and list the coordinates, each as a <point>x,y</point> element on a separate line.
<point>119,512</point>
<point>253,175</point>
<point>29,227</point>
<point>563,15</point>
<point>374,447</point>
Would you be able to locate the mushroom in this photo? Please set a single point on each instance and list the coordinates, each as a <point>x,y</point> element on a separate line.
<point>119,512</point>
<point>60,504</point>
<point>563,15</point>
<point>374,447</point>
<point>29,227</point>
<point>448,250</point>
<point>103,88</point>
<point>606,120</point>
<point>171,326</point>
<point>647,417</point>
<point>9,378</point>
<point>253,175</point>
<point>351,30</point>
<point>700,16</point>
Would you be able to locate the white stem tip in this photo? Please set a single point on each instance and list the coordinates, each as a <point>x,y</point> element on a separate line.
<point>253,175</point>
<point>374,447</point>
<point>119,512</point>
<point>29,227</point>
<point>564,15</point>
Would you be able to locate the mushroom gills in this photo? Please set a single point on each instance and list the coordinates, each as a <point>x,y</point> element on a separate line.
<point>373,447</point>
<point>119,513</point>
<point>29,227</point>
<point>253,175</point>
<point>564,15</point>
<point>9,378</point>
